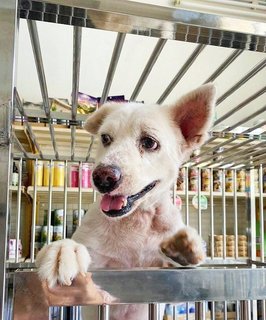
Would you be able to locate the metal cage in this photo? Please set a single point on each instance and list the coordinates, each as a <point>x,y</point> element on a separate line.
<point>234,277</point>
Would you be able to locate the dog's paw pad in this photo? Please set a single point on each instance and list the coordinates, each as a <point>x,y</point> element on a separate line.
<point>185,247</point>
<point>61,261</point>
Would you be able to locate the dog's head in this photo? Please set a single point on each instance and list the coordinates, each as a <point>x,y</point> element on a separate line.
<point>141,148</point>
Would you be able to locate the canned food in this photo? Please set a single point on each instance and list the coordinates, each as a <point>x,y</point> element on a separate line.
<point>58,217</point>
<point>217,180</point>
<point>241,180</point>
<point>76,216</point>
<point>180,180</point>
<point>57,233</point>
<point>193,179</point>
<point>229,183</point>
<point>205,179</point>
<point>59,174</point>
<point>45,234</point>
<point>47,167</point>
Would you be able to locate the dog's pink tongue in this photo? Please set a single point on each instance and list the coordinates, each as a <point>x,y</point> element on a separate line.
<point>112,203</point>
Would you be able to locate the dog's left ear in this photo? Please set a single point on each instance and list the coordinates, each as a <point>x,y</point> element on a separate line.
<point>193,114</point>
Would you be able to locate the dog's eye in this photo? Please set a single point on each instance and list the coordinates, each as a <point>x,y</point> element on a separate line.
<point>106,139</point>
<point>148,143</point>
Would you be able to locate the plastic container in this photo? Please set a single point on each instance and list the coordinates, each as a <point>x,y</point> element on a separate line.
<point>74,176</point>
<point>205,180</point>
<point>59,174</point>
<point>58,217</point>
<point>193,179</point>
<point>46,173</point>
<point>39,173</point>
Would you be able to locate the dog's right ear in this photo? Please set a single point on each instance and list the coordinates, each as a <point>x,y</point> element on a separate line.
<point>94,121</point>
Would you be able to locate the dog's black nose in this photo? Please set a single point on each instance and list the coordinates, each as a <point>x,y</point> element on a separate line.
<point>106,178</point>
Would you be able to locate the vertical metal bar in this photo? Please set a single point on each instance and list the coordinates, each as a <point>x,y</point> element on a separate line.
<point>151,62</point>
<point>77,37</point>
<point>181,73</point>
<point>263,309</point>
<point>245,310</point>
<point>174,194</point>
<point>235,213</point>
<point>103,312</point>
<point>224,213</point>
<point>33,215</point>
<point>186,196</point>
<point>261,216</point>
<point>8,49</point>
<point>154,311</point>
<point>174,312</point>
<point>49,213</point>
<point>80,193</point>
<point>65,201</point>
<point>212,310</point>
<point>237,310</point>
<point>94,195</point>
<point>200,310</point>
<point>212,214</point>
<point>18,209</point>
<point>199,203</point>
<point>252,216</point>
<point>225,310</point>
<point>113,64</point>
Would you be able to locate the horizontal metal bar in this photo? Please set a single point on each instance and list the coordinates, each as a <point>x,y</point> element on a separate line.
<point>242,81</point>
<point>113,64</point>
<point>141,15</point>
<point>224,65</point>
<point>181,72</point>
<point>151,62</point>
<point>145,286</point>
<point>240,106</point>
<point>246,119</point>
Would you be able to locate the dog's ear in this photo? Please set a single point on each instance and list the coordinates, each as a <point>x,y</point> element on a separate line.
<point>94,121</point>
<point>193,114</point>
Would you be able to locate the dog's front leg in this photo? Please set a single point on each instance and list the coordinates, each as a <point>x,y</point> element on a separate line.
<point>61,261</point>
<point>185,247</point>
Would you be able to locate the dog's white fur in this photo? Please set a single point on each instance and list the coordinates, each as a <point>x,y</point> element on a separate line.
<point>134,240</point>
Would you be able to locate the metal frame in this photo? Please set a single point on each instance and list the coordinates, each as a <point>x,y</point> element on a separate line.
<point>164,23</point>
<point>32,299</point>
<point>8,46</point>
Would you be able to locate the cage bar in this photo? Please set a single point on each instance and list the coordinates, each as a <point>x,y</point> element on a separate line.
<point>181,73</point>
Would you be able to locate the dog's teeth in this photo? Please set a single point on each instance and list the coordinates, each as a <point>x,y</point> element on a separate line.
<point>125,203</point>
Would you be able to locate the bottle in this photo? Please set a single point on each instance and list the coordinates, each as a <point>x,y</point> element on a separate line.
<point>15,175</point>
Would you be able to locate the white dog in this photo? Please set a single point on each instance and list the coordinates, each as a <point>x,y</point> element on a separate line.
<point>140,151</point>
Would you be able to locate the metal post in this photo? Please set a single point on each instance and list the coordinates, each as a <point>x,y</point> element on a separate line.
<point>34,206</point>
<point>245,312</point>
<point>103,312</point>
<point>18,209</point>
<point>8,45</point>
<point>154,311</point>
<point>200,310</point>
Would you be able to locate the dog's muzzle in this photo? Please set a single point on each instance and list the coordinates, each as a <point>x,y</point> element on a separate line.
<point>119,205</point>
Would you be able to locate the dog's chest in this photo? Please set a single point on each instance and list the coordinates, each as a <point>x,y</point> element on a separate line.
<point>132,243</point>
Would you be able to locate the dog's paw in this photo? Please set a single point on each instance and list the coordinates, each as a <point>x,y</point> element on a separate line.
<point>61,261</point>
<point>185,247</point>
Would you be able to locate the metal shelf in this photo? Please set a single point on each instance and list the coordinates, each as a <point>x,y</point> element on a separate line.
<point>58,195</point>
